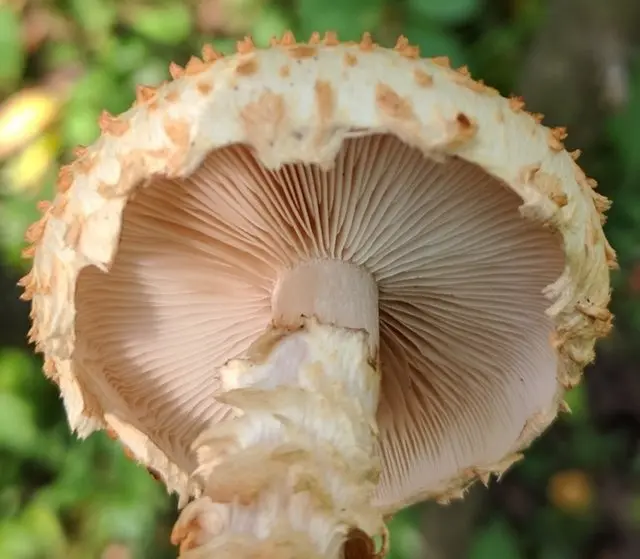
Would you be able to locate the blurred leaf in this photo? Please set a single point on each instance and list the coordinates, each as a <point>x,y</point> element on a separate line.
<point>79,127</point>
<point>153,72</point>
<point>95,16</point>
<point>18,431</point>
<point>445,11</point>
<point>16,214</point>
<point>9,501</point>
<point>45,528</point>
<point>551,551</point>
<point>98,89</point>
<point>407,540</point>
<point>576,398</point>
<point>167,24</point>
<point>589,450</point>
<point>126,54</point>
<point>61,55</point>
<point>94,89</point>
<point>270,23</point>
<point>433,41</point>
<point>497,55</point>
<point>224,45</point>
<point>16,541</point>
<point>25,115</point>
<point>14,367</point>
<point>495,541</point>
<point>26,170</point>
<point>11,48</point>
<point>348,19</point>
<point>123,521</point>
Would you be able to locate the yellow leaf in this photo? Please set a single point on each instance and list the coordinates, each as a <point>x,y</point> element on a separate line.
<point>24,116</point>
<point>25,172</point>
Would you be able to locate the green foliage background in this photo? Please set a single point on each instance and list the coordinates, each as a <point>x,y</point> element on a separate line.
<point>63,61</point>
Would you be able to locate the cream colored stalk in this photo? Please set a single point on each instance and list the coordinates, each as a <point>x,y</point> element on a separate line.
<point>295,474</point>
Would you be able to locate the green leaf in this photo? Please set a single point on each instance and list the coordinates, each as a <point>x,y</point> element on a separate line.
<point>61,54</point>
<point>45,528</point>
<point>168,25</point>
<point>554,551</point>
<point>11,50</point>
<point>445,11</point>
<point>97,17</point>
<point>271,23</point>
<point>98,89</point>
<point>94,89</point>
<point>348,19</point>
<point>405,535</point>
<point>153,72</point>
<point>436,42</point>
<point>15,369</point>
<point>16,214</point>
<point>126,55</point>
<point>496,540</point>
<point>577,400</point>
<point>18,431</point>
<point>16,542</point>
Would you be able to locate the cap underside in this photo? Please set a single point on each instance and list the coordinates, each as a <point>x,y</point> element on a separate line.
<point>465,353</point>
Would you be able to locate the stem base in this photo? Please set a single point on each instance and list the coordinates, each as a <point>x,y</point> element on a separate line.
<point>294,474</point>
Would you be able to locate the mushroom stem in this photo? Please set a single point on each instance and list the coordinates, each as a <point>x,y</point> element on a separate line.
<point>334,291</point>
<point>293,474</point>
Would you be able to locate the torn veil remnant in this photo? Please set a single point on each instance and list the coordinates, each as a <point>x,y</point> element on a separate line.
<point>313,284</point>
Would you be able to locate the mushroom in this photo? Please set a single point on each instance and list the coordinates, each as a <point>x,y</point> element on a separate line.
<point>313,284</point>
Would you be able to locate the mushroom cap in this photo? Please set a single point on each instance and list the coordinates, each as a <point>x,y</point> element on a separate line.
<point>297,108</point>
